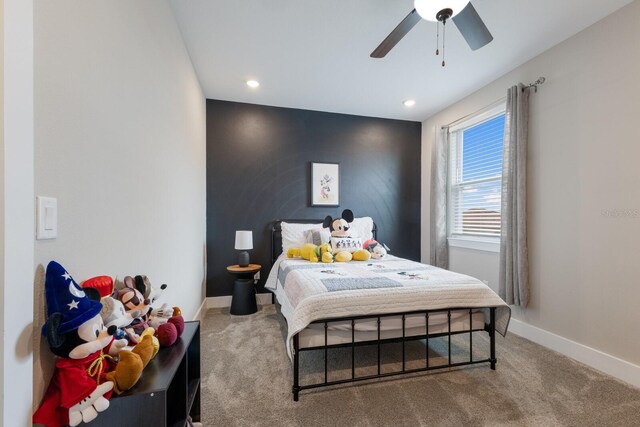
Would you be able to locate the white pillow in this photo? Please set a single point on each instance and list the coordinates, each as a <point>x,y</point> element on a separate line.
<point>293,235</point>
<point>361,227</point>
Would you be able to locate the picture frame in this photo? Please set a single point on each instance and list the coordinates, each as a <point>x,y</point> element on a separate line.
<point>325,184</point>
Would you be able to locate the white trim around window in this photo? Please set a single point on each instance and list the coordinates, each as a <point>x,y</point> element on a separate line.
<point>486,244</point>
<point>488,178</point>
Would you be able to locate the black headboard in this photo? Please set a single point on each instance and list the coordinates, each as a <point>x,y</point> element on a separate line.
<point>276,234</point>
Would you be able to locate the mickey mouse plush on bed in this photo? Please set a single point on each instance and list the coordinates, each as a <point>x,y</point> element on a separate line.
<point>345,246</point>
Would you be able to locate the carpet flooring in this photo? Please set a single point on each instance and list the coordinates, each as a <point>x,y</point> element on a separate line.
<point>246,381</point>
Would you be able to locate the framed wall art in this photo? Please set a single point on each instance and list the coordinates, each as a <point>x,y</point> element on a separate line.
<point>325,184</point>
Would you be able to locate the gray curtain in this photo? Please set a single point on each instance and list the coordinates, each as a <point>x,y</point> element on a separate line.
<point>514,262</point>
<point>439,170</point>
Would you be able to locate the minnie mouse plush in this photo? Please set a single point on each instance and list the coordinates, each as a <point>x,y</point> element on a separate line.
<point>378,250</point>
<point>87,371</point>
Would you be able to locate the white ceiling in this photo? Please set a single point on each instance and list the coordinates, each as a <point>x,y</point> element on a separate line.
<point>314,54</point>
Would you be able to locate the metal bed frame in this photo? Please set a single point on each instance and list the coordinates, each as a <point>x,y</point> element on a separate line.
<point>490,328</point>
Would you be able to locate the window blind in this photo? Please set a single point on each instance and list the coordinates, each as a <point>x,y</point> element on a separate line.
<point>475,177</point>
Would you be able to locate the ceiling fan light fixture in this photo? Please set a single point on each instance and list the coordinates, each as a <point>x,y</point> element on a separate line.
<point>430,9</point>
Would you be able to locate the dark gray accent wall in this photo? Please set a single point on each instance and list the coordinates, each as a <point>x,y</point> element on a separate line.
<point>258,171</point>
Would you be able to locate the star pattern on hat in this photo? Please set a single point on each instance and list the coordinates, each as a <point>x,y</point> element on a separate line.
<point>66,276</point>
<point>73,304</point>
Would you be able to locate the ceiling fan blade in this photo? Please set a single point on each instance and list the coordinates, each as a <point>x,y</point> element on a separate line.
<point>472,27</point>
<point>396,35</point>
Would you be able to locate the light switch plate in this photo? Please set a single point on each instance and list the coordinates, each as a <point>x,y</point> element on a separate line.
<point>46,217</point>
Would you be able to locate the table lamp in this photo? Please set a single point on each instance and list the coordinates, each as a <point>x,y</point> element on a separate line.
<point>244,242</point>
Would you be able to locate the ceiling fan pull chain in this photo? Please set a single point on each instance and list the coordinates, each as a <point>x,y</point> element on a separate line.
<point>437,38</point>
<point>444,34</point>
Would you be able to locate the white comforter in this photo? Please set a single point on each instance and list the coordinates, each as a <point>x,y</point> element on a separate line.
<point>313,291</point>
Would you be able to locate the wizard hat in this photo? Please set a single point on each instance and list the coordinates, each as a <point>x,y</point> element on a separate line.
<point>64,296</point>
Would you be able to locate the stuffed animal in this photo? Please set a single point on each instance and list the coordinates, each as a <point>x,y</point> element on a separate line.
<point>130,296</point>
<point>133,299</point>
<point>161,318</point>
<point>157,315</point>
<point>312,253</point>
<point>168,333</point>
<point>114,314</point>
<point>345,247</point>
<point>339,227</point>
<point>100,288</point>
<point>100,285</point>
<point>377,250</point>
<point>91,362</point>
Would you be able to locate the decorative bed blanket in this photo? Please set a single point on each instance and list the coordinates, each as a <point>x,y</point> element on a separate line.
<point>313,291</point>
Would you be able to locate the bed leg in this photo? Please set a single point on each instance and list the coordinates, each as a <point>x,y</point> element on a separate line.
<point>296,370</point>
<point>492,336</point>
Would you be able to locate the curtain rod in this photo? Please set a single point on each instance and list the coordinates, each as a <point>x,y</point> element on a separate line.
<point>482,110</point>
<point>534,85</point>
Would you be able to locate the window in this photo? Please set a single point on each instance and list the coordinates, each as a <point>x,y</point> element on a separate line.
<point>475,179</point>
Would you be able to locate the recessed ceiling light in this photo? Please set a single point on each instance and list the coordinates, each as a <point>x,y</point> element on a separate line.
<point>409,103</point>
<point>253,83</point>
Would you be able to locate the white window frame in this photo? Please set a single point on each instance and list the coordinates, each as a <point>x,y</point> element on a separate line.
<point>480,243</point>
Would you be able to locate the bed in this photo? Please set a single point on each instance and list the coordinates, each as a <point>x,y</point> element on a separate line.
<point>392,300</point>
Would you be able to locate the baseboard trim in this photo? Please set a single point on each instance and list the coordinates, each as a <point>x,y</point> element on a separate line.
<point>201,310</point>
<point>611,365</point>
<point>225,301</point>
<point>219,302</point>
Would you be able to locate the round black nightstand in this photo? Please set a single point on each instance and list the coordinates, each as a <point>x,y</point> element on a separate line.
<point>244,292</point>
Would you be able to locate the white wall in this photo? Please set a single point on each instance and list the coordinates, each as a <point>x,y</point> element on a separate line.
<point>16,212</point>
<point>583,164</point>
<point>120,141</point>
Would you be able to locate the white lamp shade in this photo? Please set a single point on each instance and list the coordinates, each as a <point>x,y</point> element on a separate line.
<point>244,240</point>
<point>428,9</point>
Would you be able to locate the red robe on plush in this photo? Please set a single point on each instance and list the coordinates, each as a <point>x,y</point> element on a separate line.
<point>70,384</point>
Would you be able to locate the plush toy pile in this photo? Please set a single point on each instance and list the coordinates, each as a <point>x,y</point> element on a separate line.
<point>102,337</point>
<point>343,247</point>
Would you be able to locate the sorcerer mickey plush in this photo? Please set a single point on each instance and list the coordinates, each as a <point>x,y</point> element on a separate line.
<point>87,371</point>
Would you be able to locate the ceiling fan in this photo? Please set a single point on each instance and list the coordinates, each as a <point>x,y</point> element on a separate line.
<point>462,12</point>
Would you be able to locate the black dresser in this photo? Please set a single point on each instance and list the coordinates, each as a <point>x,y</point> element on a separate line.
<point>168,391</point>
